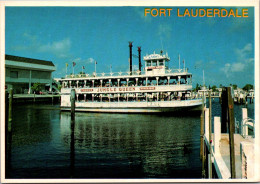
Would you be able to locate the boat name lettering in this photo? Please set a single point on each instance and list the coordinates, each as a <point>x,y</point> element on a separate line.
<point>154,67</point>
<point>86,90</point>
<point>147,88</point>
<point>106,89</point>
<point>116,89</point>
<point>127,89</point>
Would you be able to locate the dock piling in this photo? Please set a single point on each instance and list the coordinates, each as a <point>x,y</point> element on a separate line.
<point>72,101</point>
<point>217,135</point>
<point>202,145</point>
<point>231,123</point>
<point>72,138</point>
<point>9,130</point>
<point>202,128</point>
<point>210,138</point>
<point>224,114</point>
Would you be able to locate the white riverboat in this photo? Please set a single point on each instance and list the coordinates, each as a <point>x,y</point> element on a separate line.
<point>154,90</point>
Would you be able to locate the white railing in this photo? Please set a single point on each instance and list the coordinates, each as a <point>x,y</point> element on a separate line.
<point>246,124</point>
<point>116,74</point>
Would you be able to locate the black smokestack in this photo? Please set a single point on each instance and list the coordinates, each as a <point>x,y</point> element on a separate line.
<point>130,56</point>
<point>139,56</point>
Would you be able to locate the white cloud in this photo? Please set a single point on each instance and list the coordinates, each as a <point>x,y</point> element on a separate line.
<point>237,67</point>
<point>243,62</point>
<point>243,53</point>
<point>60,48</point>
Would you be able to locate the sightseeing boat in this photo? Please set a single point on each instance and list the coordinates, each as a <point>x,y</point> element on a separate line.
<point>155,89</point>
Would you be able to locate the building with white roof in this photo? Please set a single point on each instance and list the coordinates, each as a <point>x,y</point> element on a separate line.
<point>21,73</point>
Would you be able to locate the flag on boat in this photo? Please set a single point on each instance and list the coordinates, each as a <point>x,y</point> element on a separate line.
<point>183,61</point>
<point>74,64</point>
<point>95,62</point>
<point>67,64</point>
<point>83,67</point>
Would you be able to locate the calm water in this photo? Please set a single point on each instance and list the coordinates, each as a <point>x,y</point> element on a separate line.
<point>106,145</point>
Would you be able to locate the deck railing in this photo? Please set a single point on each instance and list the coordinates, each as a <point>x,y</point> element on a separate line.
<point>116,74</point>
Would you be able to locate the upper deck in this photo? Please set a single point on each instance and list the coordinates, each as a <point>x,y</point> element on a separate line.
<point>156,65</point>
<point>125,75</point>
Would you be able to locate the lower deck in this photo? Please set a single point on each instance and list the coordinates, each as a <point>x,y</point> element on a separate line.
<point>135,107</point>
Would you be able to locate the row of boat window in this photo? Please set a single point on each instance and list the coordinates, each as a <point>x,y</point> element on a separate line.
<point>133,97</point>
<point>114,83</point>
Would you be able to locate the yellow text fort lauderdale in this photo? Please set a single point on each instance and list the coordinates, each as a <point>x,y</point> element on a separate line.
<point>197,12</point>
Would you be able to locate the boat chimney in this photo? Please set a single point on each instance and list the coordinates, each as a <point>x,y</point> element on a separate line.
<point>139,56</point>
<point>130,57</point>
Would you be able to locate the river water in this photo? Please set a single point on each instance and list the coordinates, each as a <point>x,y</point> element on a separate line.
<point>106,145</point>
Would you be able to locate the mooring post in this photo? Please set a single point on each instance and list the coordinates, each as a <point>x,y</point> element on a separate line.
<point>9,131</point>
<point>210,132</point>
<point>202,148</point>
<point>6,111</point>
<point>202,127</point>
<point>224,113</point>
<point>207,123</point>
<point>217,135</point>
<point>6,129</point>
<point>10,110</point>
<point>231,123</point>
<point>72,143</point>
<point>72,101</point>
<point>72,148</point>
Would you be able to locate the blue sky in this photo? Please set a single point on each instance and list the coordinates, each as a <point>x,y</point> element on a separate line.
<point>222,47</point>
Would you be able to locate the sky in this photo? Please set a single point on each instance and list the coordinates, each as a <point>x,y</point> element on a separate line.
<point>221,46</point>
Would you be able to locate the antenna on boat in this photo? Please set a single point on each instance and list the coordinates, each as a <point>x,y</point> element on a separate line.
<point>203,79</point>
<point>179,62</point>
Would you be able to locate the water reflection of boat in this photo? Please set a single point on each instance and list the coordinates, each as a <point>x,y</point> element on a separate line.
<point>103,139</point>
<point>159,89</point>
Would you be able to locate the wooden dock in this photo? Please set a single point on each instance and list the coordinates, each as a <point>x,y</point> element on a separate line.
<point>220,158</point>
<point>18,98</point>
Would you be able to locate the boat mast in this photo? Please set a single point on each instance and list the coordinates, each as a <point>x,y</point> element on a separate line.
<point>203,79</point>
<point>179,62</point>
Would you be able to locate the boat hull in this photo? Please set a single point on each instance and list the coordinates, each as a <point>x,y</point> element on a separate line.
<point>138,107</point>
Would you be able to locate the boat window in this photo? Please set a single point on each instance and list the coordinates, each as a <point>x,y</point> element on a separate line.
<point>154,63</point>
<point>148,63</point>
<point>160,62</point>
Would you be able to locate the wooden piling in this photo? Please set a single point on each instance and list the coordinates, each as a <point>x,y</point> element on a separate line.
<point>9,133</point>
<point>72,101</point>
<point>72,148</point>
<point>72,126</point>
<point>202,145</point>
<point>10,110</point>
<point>202,127</point>
<point>231,123</point>
<point>224,113</point>
<point>210,139</point>
<point>209,166</point>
